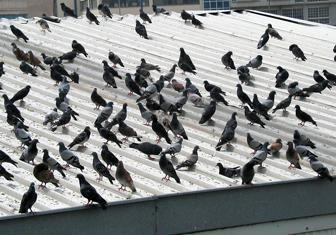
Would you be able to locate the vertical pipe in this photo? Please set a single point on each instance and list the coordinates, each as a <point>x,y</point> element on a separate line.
<point>141,4</point>
<point>119,7</point>
<point>75,6</point>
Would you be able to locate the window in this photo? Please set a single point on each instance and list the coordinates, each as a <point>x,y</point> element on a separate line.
<point>175,2</point>
<point>319,14</point>
<point>293,12</point>
<point>83,5</point>
<point>125,3</point>
<point>216,5</point>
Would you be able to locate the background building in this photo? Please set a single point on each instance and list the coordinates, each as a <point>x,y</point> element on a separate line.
<point>25,8</point>
<point>321,11</point>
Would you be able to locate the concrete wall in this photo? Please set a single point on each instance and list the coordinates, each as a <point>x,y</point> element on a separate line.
<point>30,8</point>
<point>188,212</point>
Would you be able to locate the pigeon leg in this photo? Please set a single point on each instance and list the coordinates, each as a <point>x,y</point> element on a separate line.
<point>158,140</point>
<point>150,158</point>
<point>114,66</point>
<point>164,178</point>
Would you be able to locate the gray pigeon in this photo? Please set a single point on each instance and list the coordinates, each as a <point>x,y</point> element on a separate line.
<point>101,169</point>
<point>51,117</point>
<point>303,151</point>
<point>228,132</point>
<point>90,193</point>
<point>319,168</point>
<point>21,134</point>
<point>115,59</point>
<point>81,138</point>
<point>52,163</point>
<point>5,158</point>
<point>64,86</point>
<point>255,62</point>
<point>168,169</point>
<point>105,113</point>
<point>292,156</point>
<point>269,102</point>
<point>28,199</point>
<point>300,139</point>
<point>127,131</point>
<point>247,172</point>
<point>181,100</point>
<point>191,161</point>
<point>229,171</point>
<point>43,24</point>
<point>145,114</point>
<point>253,144</point>
<point>124,177</point>
<point>177,127</point>
<point>119,117</point>
<point>69,157</point>
<point>148,66</point>
<point>149,92</point>
<point>6,174</point>
<point>170,75</point>
<point>283,104</point>
<point>30,153</point>
<point>261,155</point>
<point>174,148</point>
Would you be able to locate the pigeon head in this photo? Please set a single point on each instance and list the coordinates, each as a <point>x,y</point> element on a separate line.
<point>154,118</point>
<point>246,108</point>
<point>196,148</point>
<point>291,47</point>
<point>13,45</point>
<point>143,60</point>
<point>12,26</point>
<point>120,165</point>
<point>87,9</point>
<point>271,95</point>
<point>269,26</point>
<point>137,22</point>
<point>297,107</point>
<point>94,154</point>
<point>74,41</point>
<point>133,145</point>
<point>109,104</point>
<point>182,50</point>
<point>266,144</point>
<point>259,57</point>
<point>87,128</point>
<point>124,105</point>
<point>34,141</point>
<point>180,140</point>
<point>239,86</point>
<point>100,6</point>
<point>104,147</point>
<point>234,114</point>
<point>45,151</point>
<point>104,62</point>
<point>44,14</point>
<point>61,144</point>
<point>187,80</point>
<point>290,144</point>
<point>279,68</point>
<point>62,4</point>
<point>5,97</point>
<point>220,165</point>
<point>80,178</point>
<point>278,141</point>
<point>205,82</point>
<point>324,71</point>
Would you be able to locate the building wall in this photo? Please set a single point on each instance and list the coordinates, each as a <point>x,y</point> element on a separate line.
<point>323,11</point>
<point>25,8</point>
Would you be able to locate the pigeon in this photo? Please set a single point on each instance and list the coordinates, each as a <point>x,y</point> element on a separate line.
<point>273,33</point>
<point>148,66</point>
<point>91,17</point>
<point>97,99</point>
<point>127,131</point>
<point>64,119</point>
<point>30,153</point>
<point>292,156</point>
<point>5,158</point>
<point>81,138</point>
<point>208,112</point>
<point>141,30</point>
<point>69,157</point>
<point>27,69</point>
<point>11,108</point>
<point>115,59</point>
<point>317,87</point>
<point>253,144</point>
<point>69,56</point>
<point>101,169</point>
<point>21,94</point>
<point>108,135</point>
<point>263,39</point>
<point>243,97</point>
<point>170,75</point>
<point>104,10</point>
<point>145,114</point>
<point>124,177</point>
<point>13,121</point>
<point>196,22</point>
<point>90,193</point>
<point>77,47</point>
<point>247,172</point>
<point>28,199</point>
<point>228,171</point>
<point>51,18</point>
<point>8,176</point>
<point>132,86</point>
<point>284,104</point>
<point>168,169</point>
<point>61,104</point>
<point>303,116</point>
<point>158,10</point>
<point>209,87</point>
<point>318,78</point>
<point>109,79</point>
<point>64,87</point>
<point>334,50</point>
<point>60,69</point>
<point>166,106</point>
<point>216,96</point>
<point>244,74</point>
<point>228,132</point>
<point>144,16</point>
<point>119,117</point>
<point>181,100</point>
<point>275,146</point>
<point>20,55</point>
<point>48,60</point>
<point>186,58</point>
<point>255,62</point>
<point>159,130</point>
<point>177,86</point>
<point>261,155</point>
<point>227,61</point>
<point>330,77</point>
<point>174,148</point>
<point>44,25</point>
<point>253,117</point>
<point>110,69</point>
<point>74,76</point>
<point>67,11</point>
<point>262,109</point>
<point>147,148</point>
<point>186,16</point>
<point>105,113</point>
<point>56,76</point>
<point>21,134</point>
<point>281,76</point>
<point>52,163</point>
<point>152,105</point>
<point>191,161</point>
<point>185,67</point>
<point>297,52</point>
<point>149,92</point>
<point>109,158</point>
<point>177,127</point>
<point>303,151</point>
<point>300,139</point>
<point>2,72</point>
<point>294,90</point>
<point>320,169</point>
<point>192,88</point>
<point>268,103</point>
<point>43,174</point>
<point>18,33</point>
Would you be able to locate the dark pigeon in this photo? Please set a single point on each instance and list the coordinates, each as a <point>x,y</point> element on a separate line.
<point>281,77</point>
<point>115,59</point>
<point>253,144</point>
<point>168,169</point>
<point>69,56</point>
<point>77,47</point>
<point>303,116</point>
<point>28,199</point>
<point>159,130</point>
<point>101,169</point>
<point>147,148</point>
<point>81,138</point>
<point>29,154</point>
<point>177,127</point>
<point>104,10</point>
<point>27,69</point>
<point>97,99</point>
<point>228,171</point>
<point>67,11</point>
<point>300,139</point>
<point>186,16</point>
<point>284,104</point>
<point>144,16</point>
<point>132,86</point>
<point>297,52</point>
<point>91,17</point>
<point>263,39</point>
<point>44,175</point>
<point>247,172</point>
<point>108,135</point>
<point>255,62</point>
<point>7,159</point>
<point>273,33</point>
<point>208,112</point>
<point>105,113</point>
<point>228,132</point>
<point>228,61</point>
<point>52,163</point>
<point>253,117</point>
<point>109,158</point>
<point>3,172</point>
<point>243,97</point>
<point>141,30</point>
<point>18,33</point>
